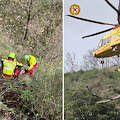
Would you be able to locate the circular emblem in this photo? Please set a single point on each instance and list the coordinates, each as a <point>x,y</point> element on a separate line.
<point>74,9</point>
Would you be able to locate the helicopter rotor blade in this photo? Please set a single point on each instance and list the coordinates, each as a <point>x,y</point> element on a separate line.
<point>119,12</point>
<point>97,33</point>
<point>113,7</point>
<point>119,7</point>
<point>90,20</point>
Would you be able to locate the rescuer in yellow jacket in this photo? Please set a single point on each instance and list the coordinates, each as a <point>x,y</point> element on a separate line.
<point>10,68</point>
<point>31,61</point>
<point>119,69</point>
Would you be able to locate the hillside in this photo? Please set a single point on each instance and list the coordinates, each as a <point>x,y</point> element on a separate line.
<point>32,27</point>
<point>79,102</point>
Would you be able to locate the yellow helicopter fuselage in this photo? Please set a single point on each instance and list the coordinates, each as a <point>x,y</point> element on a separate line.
<point>108,43</point>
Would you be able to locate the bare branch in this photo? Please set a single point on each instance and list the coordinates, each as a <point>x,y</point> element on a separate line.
<point>28,19</point>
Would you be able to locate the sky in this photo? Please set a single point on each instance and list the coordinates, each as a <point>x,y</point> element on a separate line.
<point>75,29</point>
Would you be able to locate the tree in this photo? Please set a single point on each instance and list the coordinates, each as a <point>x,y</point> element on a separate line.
<point>70,63</point>
<point>90,62</point>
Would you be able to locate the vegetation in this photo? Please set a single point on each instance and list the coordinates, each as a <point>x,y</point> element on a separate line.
<point>32,27</point>
<point>39,96</point>
<point>79,102</point>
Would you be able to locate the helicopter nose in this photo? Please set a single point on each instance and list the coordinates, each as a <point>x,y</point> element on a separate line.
<point>94,54</point>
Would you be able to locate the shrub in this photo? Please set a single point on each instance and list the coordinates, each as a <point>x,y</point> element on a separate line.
<point>38,96</point>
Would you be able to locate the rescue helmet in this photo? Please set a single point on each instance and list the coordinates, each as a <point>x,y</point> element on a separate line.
<point>11,55</point>
<point>26,57</point>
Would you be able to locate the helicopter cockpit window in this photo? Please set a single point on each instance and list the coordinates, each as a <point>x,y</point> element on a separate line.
<point>100,44</point>
<point>103,42</point>
<point>108,40</point>
<point>114,37</point>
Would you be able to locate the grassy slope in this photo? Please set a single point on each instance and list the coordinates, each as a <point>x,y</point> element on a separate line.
<point>41,95</point>
<point>43,90</point>
<point>104,83</point>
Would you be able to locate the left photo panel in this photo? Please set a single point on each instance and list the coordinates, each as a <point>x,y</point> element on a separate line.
<point>31,54</point>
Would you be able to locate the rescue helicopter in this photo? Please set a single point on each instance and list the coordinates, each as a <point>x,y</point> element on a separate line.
<point>109,45</point>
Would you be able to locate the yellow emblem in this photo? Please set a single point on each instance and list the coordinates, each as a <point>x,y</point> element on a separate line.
<point>74,9</point>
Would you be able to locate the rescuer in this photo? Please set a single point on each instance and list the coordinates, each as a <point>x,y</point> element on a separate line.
<point>31,62</point>
<point>10,67</point>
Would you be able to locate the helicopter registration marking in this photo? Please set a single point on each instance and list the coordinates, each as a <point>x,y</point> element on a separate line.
<point>103,48</point>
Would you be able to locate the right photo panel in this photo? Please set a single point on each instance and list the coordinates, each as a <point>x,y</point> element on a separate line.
<point>91,60</point>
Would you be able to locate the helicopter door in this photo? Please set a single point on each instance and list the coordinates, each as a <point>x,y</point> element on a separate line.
<point>104,42</point>
<point>108,40</point>
<point>114,37</point>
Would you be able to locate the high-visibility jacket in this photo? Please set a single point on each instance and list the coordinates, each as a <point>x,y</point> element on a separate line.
<point>118,69</point>
<point>9,67</point>
<point>31,62</point>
